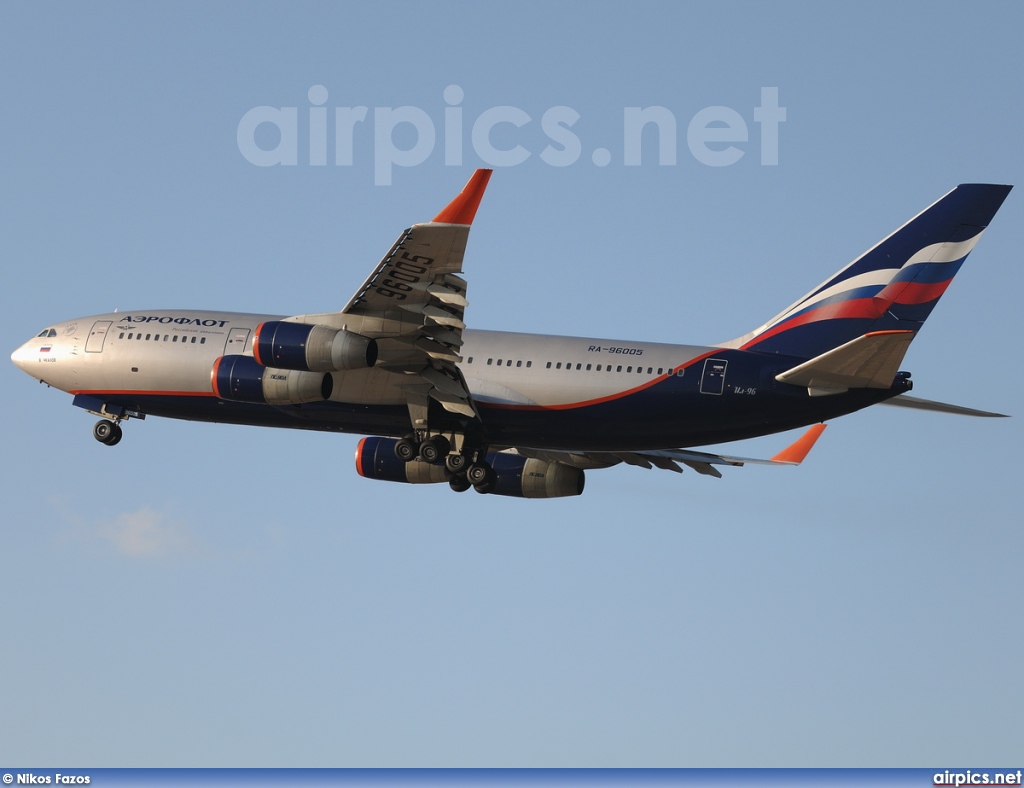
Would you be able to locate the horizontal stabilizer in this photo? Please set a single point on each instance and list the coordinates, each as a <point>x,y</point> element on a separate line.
<point>870,361</point>
<point>904,401</point>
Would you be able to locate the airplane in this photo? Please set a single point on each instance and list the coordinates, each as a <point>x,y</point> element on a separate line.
<point>519,414</point>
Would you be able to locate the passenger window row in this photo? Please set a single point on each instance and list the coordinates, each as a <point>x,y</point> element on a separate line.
<point>506,362</point>
<point>582,367</point>
<point>166,338</point>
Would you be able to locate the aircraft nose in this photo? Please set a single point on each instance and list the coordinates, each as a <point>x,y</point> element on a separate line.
<point>22,357</point>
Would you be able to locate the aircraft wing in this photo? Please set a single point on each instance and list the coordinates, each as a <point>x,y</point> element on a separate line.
<point>413,304</point>
<point>669,459</point>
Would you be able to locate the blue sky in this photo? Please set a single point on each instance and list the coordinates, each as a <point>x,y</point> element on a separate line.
<point>225,596</point>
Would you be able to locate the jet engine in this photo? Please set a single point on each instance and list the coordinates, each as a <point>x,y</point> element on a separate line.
<point>311,348</point>
<point>242,379</point>
<point>514,475</point>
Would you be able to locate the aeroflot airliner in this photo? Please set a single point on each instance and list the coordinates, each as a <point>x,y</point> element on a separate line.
<point>519,414</point>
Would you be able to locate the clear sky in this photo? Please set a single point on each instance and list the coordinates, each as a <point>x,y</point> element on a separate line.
<point>207,595</point>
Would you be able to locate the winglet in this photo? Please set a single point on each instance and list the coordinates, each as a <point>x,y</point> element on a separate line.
<point>462,209</point>
<point>794,453</point>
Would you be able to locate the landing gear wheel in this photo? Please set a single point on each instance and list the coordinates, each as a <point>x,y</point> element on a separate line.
<point>485,486</point>
<point>459,484</point>
<point>456,463</point>
<point>405,450</point>
<point>107,432</point>
<point>478,473</point>
<point>432,449</point>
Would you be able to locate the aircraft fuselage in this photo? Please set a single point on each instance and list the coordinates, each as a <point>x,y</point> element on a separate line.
<point>551,392</point>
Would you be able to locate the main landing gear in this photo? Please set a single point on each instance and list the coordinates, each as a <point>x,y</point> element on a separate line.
<point>107,432</point>
<point>465,467</point>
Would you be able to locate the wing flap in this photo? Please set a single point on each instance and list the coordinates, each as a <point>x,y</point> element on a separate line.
<point>414,303</point>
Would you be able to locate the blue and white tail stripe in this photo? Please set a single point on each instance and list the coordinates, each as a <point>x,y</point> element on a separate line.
<point>892,286</point>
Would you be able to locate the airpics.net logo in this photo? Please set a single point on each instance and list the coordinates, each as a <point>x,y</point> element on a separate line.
<point>407,136</point>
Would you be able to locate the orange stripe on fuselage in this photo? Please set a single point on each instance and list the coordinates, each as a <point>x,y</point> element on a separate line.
<point>131,392</point>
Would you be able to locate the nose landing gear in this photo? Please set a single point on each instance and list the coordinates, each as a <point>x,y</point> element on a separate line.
<point>107,432</point>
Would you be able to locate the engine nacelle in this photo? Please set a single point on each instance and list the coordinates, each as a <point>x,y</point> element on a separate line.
<point>242,379</point>
<point>515,476</point>
<point>375,459</point>
<point>526,477</point>
<point>311,348</point>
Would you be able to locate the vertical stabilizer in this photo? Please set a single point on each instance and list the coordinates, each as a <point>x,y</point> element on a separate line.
<point>892,287</point>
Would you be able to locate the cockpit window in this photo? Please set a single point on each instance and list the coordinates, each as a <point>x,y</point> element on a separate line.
<point>49,332</point>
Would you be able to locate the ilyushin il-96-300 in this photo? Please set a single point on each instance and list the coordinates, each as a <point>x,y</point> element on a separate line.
<point>519,414</point>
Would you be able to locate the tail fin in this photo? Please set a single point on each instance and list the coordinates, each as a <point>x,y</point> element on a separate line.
<point>892,287</point>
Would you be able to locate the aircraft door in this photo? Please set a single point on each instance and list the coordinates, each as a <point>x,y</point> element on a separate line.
<point>713,379</point>
<point>235,346</point>
<point>97,336</point>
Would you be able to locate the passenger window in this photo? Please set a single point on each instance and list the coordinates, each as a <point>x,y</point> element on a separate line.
<point>202,341</point>
<point>489,361</point>
<point>660,370</point>
<point>508,363</point>
<point>470,360</point>
<point>629,369</point>
<point>519,363</point>
<point>548,365</point>
<point>529,364</point>
<point>558,365</point>
<point>618,368</point>
<point>193,340</point>
<point>121,336</point>
<point>588,367</point>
